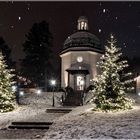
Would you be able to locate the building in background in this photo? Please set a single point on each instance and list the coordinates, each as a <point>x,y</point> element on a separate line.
<point>137,79</point>
<point>79,57</point>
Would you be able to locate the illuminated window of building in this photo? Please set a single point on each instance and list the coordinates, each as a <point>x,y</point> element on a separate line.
<point>80,83</point>
<point>82,23</point>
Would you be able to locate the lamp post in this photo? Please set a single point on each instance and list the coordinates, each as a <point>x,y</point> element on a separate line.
<point>53,83</point>
<point>18,93</point>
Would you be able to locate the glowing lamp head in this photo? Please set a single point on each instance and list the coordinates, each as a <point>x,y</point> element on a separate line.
<point>38,91</point>
<point>53,82</point>
<point>112,37</point>
<point>21,93</point>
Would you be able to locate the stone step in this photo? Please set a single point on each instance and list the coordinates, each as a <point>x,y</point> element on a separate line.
<point>32,123</point>
<point>72,102</point>
<point>69,103</point>
<point>28,127</point>
<point>58,110</point>
<point>74,99</point>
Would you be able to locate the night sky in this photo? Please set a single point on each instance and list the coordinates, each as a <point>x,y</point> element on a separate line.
<point>120,18</point>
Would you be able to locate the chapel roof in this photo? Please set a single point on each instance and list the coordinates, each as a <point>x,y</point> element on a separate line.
<point>82,38</point>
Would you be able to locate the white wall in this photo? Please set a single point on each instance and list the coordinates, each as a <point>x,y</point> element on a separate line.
<point>69,58</point>
<point>138,84</point>
<point>65,64</point>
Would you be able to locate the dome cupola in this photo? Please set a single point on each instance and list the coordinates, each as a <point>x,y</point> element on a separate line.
<point>82,24</point>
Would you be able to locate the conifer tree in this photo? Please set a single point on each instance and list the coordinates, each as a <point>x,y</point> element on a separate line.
<point>6,52</point>
<point>7,96</point>
<point>112,85</point>
<point>36,65</point>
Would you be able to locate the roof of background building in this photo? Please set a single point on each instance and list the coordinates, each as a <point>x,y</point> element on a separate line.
<point>82,38</point>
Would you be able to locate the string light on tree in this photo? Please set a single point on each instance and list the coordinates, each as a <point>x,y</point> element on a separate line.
<point>112,37</point>
<point>124,45</point>
<point>113,83</point>
<point>7,95</point>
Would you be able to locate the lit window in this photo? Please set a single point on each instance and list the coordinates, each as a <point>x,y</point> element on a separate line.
<point>80,83</point>
<point>85,26</point>
<point>82,25</point>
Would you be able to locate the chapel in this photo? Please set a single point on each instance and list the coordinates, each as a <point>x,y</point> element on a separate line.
<point>79,56</point>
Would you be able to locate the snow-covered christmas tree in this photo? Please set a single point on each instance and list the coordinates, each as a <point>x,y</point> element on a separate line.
<point>112,86</point>
<point>7,96</point>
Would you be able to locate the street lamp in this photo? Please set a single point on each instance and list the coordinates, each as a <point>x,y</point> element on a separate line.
<point>21,93</point>
<point>53,83</point>
<point>39,91</point>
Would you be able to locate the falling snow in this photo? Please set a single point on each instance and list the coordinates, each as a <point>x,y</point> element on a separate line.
<point>11,26</point>
<point>19,18</point>
<point>104,10</point>
<point>100,30</point>
<point>106,16</point>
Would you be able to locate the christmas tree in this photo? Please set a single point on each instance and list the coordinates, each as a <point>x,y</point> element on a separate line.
<point>7,96</point>
<point>113,83</point>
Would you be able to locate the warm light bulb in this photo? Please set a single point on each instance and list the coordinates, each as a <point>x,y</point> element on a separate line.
<point>112,36</point>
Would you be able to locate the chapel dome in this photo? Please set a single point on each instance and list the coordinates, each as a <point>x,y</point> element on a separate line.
<point>82,38</point>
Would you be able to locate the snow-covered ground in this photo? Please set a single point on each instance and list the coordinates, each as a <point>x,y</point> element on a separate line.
<point>82,123</point>
<point>34,109</point>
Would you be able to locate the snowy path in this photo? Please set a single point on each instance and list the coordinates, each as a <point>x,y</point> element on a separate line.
<point>30,114</point>
<point>81,123</point>
<point>35,112</point>
<point>85,124</point>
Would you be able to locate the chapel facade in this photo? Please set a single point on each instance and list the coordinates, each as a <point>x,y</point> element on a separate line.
<point>81,52</point>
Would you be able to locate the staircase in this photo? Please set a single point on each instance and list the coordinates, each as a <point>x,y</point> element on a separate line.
<point>73,99</point>
<point>30,125</point>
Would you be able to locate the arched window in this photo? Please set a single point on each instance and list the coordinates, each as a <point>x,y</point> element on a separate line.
<point>82,23</point>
